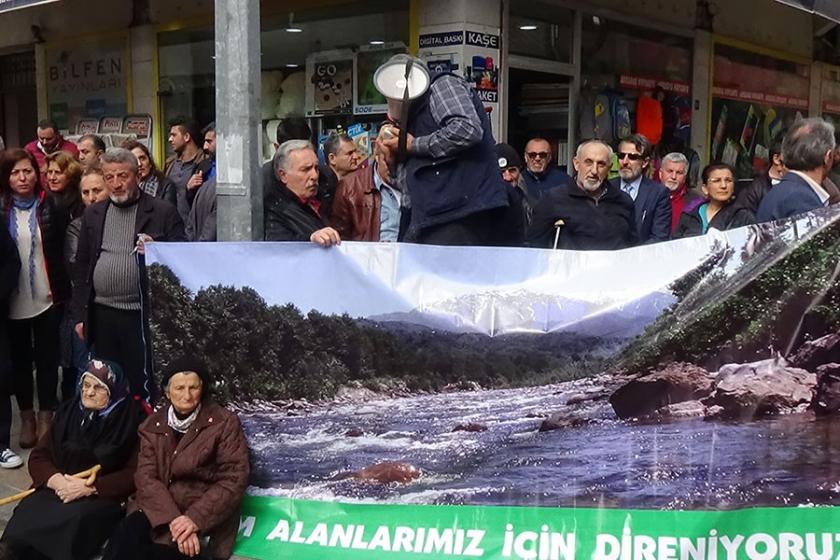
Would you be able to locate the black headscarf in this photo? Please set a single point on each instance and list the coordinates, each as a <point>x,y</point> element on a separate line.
<point>83,438</point>
<point>187,363</point>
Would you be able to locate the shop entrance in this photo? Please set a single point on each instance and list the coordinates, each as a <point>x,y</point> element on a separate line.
<point>18,98</point>
<point>539,105</point>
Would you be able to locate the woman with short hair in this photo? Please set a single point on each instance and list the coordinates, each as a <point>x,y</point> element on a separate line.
<point>191,474</point>
<point>720,210</point>
<point>66,518</point>
<point>63,174</point>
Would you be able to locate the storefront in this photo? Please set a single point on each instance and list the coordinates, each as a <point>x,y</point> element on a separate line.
<point>318,63</point>
<point>830,94</point>
<point>756,96</point>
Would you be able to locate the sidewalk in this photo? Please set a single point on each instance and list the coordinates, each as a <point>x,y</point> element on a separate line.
<point>13,481</point>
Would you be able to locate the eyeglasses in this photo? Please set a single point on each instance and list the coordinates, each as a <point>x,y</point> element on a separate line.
<point>535,155</point>
<point>630,156</point>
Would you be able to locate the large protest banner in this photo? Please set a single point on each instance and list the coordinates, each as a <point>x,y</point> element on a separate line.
<point>672,401</point>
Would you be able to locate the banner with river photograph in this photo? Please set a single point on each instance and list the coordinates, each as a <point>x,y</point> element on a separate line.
<point>671,401</point>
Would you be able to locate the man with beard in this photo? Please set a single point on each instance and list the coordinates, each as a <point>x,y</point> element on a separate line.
<point>188,168</point>
<point>651,201</point>
<point>107,302</point>
<point>673,174</point>
<point>591,213</point>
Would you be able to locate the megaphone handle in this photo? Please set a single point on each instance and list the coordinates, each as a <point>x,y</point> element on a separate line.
<point>402,143</point>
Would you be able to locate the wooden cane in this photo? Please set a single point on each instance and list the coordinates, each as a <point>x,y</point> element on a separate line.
<point>89,474</point>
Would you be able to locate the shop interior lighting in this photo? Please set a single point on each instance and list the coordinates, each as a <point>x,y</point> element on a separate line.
<point>292,28</point>
<point>529,27</point>
<point>377,42</point>
<point>292,65</point>
<point>596,20</point>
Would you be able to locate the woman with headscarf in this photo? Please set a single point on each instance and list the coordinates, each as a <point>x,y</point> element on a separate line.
<point>37,225</point>
<point>65,519</point>
<point>191,474</point>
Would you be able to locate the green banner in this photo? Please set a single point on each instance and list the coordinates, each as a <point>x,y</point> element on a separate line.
<point>310,530</point>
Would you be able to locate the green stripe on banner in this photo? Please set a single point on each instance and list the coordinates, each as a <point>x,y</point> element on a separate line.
<point>308,530</point>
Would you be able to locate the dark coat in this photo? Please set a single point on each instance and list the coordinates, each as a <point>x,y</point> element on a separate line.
<point>606,224</point>
<point>201,223</point>
<point>540,185</point>
<point>288,219</point>
<point>356,209</point>
<point>202,476</point>
<point>327,182</point>
<point>53,221</point>
<point>653,211</point>
<point>730,216</point>
<point>791,197</point>
<point>9,274</point>
<point>449,188</point>
<point>750,197</point>
<point>155,218</point>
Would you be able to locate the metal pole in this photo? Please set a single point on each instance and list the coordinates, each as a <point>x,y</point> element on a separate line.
<point>238,187</point>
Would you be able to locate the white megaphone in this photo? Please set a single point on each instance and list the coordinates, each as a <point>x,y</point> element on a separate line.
<point>402,77</point>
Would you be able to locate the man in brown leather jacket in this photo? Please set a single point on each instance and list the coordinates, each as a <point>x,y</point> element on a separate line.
<point>366,207</point>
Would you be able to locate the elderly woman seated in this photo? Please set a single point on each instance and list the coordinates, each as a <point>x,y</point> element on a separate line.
<point>191,474</point>
<point>67,518</point>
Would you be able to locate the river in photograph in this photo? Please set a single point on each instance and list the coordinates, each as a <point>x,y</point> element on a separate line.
<point>603,462</point>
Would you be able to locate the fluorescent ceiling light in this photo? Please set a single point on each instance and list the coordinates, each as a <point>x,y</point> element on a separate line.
<point>527,27</point>
<point>377,42</point>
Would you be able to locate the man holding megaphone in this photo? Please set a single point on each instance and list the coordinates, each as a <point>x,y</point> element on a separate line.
<point>445,163</point>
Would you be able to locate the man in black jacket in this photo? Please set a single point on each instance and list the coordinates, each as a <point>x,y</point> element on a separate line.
<point>108,288</point>
<point>293,210</point>
<point>752,194</point>
<point>591,213</point>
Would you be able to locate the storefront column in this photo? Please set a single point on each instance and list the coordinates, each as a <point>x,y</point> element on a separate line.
<point>480,21</point>
<point>701,88</point>
<point>239,191</point>
<point>143,94</point>
<point>41,81</point>
<point>815,100</point>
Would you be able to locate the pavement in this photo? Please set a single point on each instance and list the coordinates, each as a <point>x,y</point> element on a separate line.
<point>16,480</point>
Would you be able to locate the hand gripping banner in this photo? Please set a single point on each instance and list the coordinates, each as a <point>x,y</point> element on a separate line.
<point>671,401</point>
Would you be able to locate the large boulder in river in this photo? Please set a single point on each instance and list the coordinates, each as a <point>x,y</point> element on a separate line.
<point>561,422</point>
<point>827,393</point>
<point>812,354</point>
<point>388,472</point>
<point>761,388</point>
<point>677,382</point>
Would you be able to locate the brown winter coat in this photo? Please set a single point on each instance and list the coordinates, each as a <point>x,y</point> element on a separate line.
<point>203,476</point>
<point>356,207</point>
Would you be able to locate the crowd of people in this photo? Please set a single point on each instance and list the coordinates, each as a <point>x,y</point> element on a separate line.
<point>77,218</point>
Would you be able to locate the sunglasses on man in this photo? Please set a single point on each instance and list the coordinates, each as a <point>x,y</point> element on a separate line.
<point>630,156</point>
<point>535,155</point>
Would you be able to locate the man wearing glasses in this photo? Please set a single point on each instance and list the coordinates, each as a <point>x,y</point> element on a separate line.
<point>651,199</point>
<point>540,175</point>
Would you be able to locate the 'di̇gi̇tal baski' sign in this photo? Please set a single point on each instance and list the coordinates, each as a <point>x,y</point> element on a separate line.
<point>673,401</point>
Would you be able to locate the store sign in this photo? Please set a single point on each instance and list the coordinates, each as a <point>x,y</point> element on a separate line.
<point>446,39</point>
<point>485,40</point>
<point>832,108</point>
<point>758,97</point>
<point>9,5</point>
<point>638,82</point>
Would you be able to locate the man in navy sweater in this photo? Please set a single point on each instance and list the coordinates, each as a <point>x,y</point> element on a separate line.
<point>808,153</point>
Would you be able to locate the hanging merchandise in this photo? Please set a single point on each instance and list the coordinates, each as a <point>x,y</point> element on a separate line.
<point>603,118</point>
<point>621,117</point>
<point>586,125</point>
<point>329,89</point>
<point>649,118</point>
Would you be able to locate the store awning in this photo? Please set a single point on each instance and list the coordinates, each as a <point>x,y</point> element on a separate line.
<point>9,5</point>
<point>829,9</point>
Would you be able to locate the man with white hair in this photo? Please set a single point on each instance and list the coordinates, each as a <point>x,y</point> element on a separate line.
<point>590,213</point>
<point>674,175</point>
<point>107,299</point>
<point>292,210</point>
<point>808,153</point>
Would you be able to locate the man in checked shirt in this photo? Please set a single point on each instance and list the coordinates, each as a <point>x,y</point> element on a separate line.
<point>450,172</point>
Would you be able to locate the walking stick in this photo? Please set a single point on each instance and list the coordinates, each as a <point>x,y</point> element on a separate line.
<point>89,474</point>
<point>558,225</point>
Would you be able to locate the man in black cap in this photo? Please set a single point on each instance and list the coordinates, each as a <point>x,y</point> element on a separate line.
<point>510,164</point>
<point>516,220</point>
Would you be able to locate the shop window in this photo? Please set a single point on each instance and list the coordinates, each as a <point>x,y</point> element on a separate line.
<point>87,79</point>
<point>831,95</point>
<point>317,63</point>
<point>755,100</point>
<point>541,30</point>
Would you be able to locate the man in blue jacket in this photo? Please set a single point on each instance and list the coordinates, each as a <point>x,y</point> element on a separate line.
<point>450,172</point>
<point>808,153</point>
<point>650,199</point>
